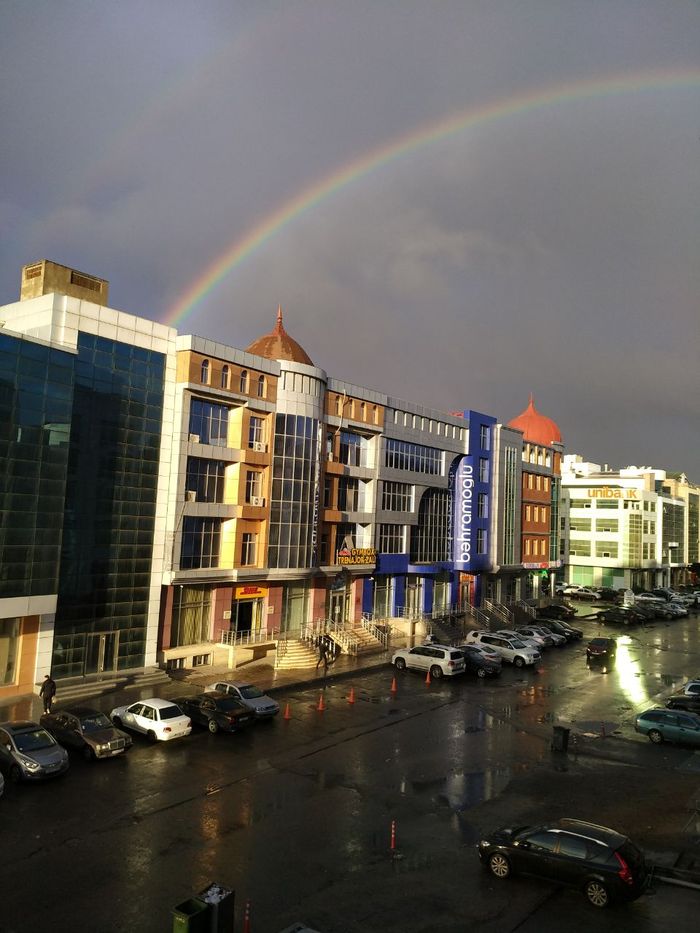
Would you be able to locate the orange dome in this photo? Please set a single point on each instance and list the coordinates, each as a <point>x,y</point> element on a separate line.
<point>536,428</point>
<point>278,345</point>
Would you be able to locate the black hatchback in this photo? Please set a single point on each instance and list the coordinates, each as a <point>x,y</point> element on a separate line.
<point>603,863</point>
<point>475,662</point>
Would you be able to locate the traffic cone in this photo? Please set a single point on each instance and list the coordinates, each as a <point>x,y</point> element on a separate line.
<point>351,697</point>
<point>321,704</point>
<point>246,918</point>
<point>394,688</point>
<point>427,678</point>
<point>287,712</point>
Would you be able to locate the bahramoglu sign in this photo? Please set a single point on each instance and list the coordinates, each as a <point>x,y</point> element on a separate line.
<point>608,492</point>
<point>464,507</point>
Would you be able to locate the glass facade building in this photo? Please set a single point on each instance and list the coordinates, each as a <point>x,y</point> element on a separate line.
<point>295,492</point>
<point>110,508</point>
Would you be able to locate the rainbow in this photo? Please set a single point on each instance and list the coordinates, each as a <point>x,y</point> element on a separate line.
<point>244,246</point>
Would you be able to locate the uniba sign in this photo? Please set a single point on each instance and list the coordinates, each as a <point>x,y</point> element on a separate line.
<point>605,492</point>
<point>464,494</point>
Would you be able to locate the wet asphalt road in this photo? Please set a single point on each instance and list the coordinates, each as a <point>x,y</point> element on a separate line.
<point>296,815</point>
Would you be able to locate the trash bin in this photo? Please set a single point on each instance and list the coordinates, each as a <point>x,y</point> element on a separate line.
<point>191,916</point>
<point>560,739</point>
<point>221,902</point>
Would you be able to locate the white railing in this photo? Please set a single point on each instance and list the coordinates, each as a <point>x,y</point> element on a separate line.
<point>482,619</point>
<point>529,610</point>
<point>499,610</point>
<point>348,641</point>
<point>233,638</point>
<point>380,632</point>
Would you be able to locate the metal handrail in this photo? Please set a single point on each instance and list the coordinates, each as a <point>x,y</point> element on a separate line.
<point>498,609</point>
<point>380,633</point>
<point>234,638</point>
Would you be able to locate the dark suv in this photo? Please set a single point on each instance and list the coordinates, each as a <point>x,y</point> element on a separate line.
<point>600,861</point>
<point>601,649</point>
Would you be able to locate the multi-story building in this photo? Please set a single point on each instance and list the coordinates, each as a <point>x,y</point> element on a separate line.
<point>635,527</point>
<point>295,497</point>
<point>540,478</point>
<point>86,430</point>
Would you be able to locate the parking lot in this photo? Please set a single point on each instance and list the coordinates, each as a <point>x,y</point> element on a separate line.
<point>296,814</point>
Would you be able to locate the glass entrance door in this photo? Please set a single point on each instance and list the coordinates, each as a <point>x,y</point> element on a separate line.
<point>336,606</point>
<point>101,652</point>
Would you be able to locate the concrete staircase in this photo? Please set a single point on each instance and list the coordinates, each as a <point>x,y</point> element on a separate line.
<point>296,654</point>
<point>73,690</point>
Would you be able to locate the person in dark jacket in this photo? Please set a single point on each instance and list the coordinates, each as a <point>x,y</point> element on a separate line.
<point>48,692</point>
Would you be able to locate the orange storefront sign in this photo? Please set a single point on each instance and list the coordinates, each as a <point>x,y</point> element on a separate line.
<point>250,592</point>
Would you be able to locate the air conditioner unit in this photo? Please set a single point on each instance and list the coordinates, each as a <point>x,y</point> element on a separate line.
<point>257,500</point>
<point>259,446</point>
<point>194,438</point>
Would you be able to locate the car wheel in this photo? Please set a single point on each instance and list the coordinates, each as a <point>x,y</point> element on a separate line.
<point>213,726</point>
<point>519,662</point>
<point>655,736</point>
<point>400,664</point>
<point>88,753</point>
<point>481,672</point>
<point>117,722</point>
<point>596,893</point>
<point>15,774</point>
<point>499,865</point>
<point>435,672</point>
<point>151,736</point>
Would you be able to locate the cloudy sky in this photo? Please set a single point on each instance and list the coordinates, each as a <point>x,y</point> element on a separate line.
<point>457,202</point>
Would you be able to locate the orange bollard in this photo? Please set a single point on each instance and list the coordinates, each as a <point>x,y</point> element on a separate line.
<point>394,688</point>
<point>246,918</point>
<point>393,836</point>
<point>321,704</point>
<point>287,712</point>
<point>427,678</point>
<point>351,698</point>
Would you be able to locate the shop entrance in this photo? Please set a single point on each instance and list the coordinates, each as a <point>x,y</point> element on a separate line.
<point>101,652</point>
<point>246,616</point>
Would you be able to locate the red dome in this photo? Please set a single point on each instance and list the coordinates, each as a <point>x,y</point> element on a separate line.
<point>536,428</point>
<point>278,345</point>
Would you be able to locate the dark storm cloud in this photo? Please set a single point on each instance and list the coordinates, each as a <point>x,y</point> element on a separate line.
<point>552,251</point>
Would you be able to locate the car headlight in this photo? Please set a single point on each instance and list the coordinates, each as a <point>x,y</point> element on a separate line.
<point>102,748</point>
<point>483,844</point>
<point>30,764</point>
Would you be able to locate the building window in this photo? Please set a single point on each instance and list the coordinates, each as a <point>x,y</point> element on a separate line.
<point>402,455</point>
<point>201,538</point>
<point>430,538</point>
<point>204,372</point>
<point>9,647</point>
<point>484,437</point>
<point>205,478</point>
<point>375,414</point>
<point>256,426</point>
<point>253,487</point>
<point>248,549</point>
<point>483,470</point>
<point>353,450</point>
<point>209,422</point>
<point>244,381</point>
<point>397,497</point>
<point>225,377</point>
<point>482,505</point>
<point>391,539</point>
<point>261,387</point>
<point>348,492</point>
<point>480,540</point>
<point>191,615</point>
<point>294,492</point>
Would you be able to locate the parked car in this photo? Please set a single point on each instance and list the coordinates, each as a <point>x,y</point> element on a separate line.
<point>557,639</point>
<point>437,660</point>
<point>87,730</point>
<point>687,701</point>
<point>692,687</point>
<point>535,643</point>
<point>667,725</point>
<point>563,628</point>
<point>487,652</point>
<point>586,592</point>
<point>648,598</point>
<point>217,711</point>
<point>571,589</point>
<point>556,611</point>
<point>603,863</point>
<point>159,720</point>
<point>29,753</point>
<point>601,649</point>
<point>618,616</point>
<point>609,594</point>
<point>251,696</point>
<point>511,649</point>
<point>476,662</point>
<point>541,638</point>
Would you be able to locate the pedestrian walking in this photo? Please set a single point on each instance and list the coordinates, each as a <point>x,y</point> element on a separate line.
<point>322,655</point>
<point>48,692</point>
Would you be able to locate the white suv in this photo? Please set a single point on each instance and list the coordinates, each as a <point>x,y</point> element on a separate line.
<point>510,649</point>
<point>439,660</point>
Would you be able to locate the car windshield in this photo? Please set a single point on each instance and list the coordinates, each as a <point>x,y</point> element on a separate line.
<point>33,741</point>
<point>251,693</point>
<point>94,722</point>
<point>170,712</point>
